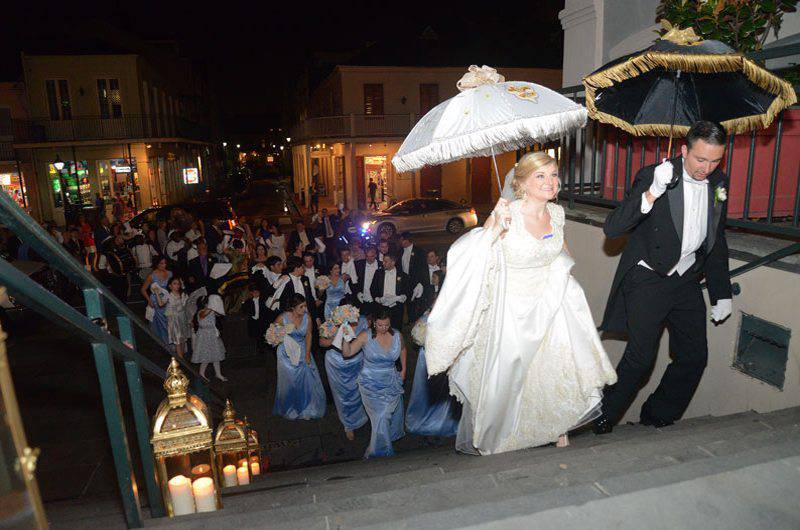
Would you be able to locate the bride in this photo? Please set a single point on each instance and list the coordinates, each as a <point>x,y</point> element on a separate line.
<point>513,327</point>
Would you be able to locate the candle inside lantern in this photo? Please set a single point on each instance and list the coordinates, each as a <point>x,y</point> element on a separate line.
<point>229,475</point>
<point>255,468</point>
<point>242,476</point>
<point>203,489</point>
<point>242,462</point>
<point>201,470</point>
<point>180,491</point>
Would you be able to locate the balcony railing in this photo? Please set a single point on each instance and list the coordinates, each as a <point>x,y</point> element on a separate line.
<point>6,151</point>
<point>354,126</point>
<point>98,128</point>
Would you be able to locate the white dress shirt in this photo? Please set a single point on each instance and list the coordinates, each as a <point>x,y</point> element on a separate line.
<point>298,284</point>
<point>695,222</point>
<point>406,259</point>
<point>304,238</point>
<point>255,303</point>
<point>311,274</point>
<point>349,268</point>
<point>328,227</point>
<point>389,282</point>
<point>431,270</point>
<point>173,247</point>
<point>369,272</point>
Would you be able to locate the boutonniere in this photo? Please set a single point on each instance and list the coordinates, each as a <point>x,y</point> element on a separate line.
<point>720,195</point>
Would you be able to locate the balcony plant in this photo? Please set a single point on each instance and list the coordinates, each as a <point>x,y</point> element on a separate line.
<point>741,24</point>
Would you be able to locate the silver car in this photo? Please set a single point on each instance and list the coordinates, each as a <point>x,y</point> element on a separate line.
<point>420,215</point>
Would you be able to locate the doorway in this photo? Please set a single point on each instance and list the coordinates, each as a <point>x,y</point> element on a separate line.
<point>480,170</point>
<point>375,182</point>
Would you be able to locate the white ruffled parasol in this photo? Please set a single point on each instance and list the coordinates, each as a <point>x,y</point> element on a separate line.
<point>489,116</point>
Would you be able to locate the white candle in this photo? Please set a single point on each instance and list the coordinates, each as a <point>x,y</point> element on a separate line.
<point>203,489</point>
<point>180,491</point>
<point>242,475</point>
<point>202,470</point>
<point>255,468</point>
<point>229,475</point>
<point>242,462</point>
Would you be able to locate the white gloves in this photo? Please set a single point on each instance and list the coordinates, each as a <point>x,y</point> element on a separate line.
<point>401,298</point>
<point>721,310</point>
<point>360,297</point>
<point>662,176</point>
<point>417,292</point>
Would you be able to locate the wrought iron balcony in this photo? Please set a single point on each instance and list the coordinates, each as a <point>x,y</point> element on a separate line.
<point>36,130</point>
<point>354,126</point>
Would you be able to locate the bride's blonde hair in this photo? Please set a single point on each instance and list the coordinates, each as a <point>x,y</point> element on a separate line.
<point>526,167</point>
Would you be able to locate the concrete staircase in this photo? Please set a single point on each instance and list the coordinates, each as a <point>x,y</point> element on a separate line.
<point>739,471</point>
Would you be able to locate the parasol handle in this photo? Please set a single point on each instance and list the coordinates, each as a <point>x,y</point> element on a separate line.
<point>676,177</point>
<point>496,172</point>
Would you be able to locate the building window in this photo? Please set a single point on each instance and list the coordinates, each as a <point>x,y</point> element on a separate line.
<point>428,97</point>
<point>58,102</point>
<point>6,122</point>
<point>373,99</point>
<point>109,98</point>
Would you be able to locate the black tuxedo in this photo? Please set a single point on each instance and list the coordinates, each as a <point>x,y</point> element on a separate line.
<point>402,287</point>
<point>257,328</point>
<point>294,240</point>
<point>358,287</point>
<point>202,278</point>
<point>642,300</point>
<point>288,291</point>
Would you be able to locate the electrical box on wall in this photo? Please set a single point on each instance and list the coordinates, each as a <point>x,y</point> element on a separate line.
<point>762,350</point>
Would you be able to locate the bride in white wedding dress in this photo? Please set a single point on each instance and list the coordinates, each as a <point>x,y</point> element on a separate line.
<point>513,327</point>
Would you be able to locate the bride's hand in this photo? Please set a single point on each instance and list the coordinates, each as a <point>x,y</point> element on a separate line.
<point>500,216</point>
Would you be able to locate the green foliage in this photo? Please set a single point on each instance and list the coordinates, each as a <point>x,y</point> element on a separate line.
<point>741,24</point>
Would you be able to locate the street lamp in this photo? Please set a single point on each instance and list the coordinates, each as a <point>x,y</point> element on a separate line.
<point>224,144</point>
<point>58,163</point>
<point>288,139</point>
<point>238,146</point>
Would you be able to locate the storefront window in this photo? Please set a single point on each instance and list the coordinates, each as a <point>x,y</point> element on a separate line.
<point>69,184</point>
<point>14,186</point>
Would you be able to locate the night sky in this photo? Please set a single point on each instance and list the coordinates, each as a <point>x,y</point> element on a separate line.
<point>257,52</point>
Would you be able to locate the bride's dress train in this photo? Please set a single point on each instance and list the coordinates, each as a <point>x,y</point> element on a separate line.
<point>515,331</point>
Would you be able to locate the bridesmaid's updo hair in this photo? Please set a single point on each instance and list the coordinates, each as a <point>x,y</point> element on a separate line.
<point>293,301</point>
<point>381,314</point>
<point>526,166</point>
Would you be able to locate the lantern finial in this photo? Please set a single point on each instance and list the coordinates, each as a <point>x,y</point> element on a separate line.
<point>229,413</point>
<point>176,384</point>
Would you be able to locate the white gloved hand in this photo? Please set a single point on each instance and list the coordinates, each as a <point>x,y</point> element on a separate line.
<point>360,297</point>
<point>379,299</point>
<point>401,298</point>
<point>662,176</point>
<point>721,310</point>
<point>417,291</point>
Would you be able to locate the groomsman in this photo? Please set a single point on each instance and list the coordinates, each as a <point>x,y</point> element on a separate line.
<point>311,272</point>
<point>426,281</point>
<point>365,270</point>
<point>295,282</point>
<point>390,288</point>
<point>349,268</point>
<point>300,237</point>
<point>675,215</point>
<point>384,248</point>
<point>199,269</point>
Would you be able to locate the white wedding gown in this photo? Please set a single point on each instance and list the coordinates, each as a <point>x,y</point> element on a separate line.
<point>514,330</point>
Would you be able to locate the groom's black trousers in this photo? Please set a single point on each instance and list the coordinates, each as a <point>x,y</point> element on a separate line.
<point>652,302</point>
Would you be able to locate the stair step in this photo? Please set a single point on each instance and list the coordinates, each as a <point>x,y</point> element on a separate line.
<point>528,472</point>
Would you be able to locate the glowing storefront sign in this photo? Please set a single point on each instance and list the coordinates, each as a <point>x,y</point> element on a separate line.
<point>191,175</point>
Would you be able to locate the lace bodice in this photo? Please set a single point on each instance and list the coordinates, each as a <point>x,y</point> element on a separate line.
<point>522,250</point>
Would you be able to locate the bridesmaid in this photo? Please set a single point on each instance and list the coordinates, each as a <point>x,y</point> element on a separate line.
<point>299,393</point>
<point>343,378</point>
<point>336,291</point>
<point>160,276</point>
<point>432,411</point>
<point>380,383</point>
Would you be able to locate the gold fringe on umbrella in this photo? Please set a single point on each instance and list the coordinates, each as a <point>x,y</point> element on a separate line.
<point>701,63</point>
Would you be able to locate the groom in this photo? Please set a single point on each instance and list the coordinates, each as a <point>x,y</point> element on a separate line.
<point>675,215</point>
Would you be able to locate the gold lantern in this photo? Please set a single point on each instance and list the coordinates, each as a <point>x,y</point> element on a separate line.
<point>183,449</point>
<point>230,446</point>
<point>254,449</point>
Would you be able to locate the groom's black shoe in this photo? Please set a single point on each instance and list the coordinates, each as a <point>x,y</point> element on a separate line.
<point>646,419</point>
<point>602,425</point>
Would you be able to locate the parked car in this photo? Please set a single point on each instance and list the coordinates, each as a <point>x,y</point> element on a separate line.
<point>204,210</point>
<point>420,215</point>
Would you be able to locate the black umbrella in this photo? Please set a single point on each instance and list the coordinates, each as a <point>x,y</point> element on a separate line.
<point>664,89</point>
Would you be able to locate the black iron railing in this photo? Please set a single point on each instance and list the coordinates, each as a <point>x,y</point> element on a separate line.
<point>100,128</point>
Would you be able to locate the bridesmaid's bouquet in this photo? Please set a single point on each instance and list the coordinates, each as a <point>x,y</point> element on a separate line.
<point>322,282</point>
<point>277,332</point>
<point>418,332</point>
<point>328,329</point>
<point>345,313</point>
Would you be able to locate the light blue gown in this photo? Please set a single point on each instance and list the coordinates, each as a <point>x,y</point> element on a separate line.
<point>333,296</point>
<point>343,378</point>
<point>159,322</point>
<point>432,411</point>
<point>299,393</point>
<point>382,394</point>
